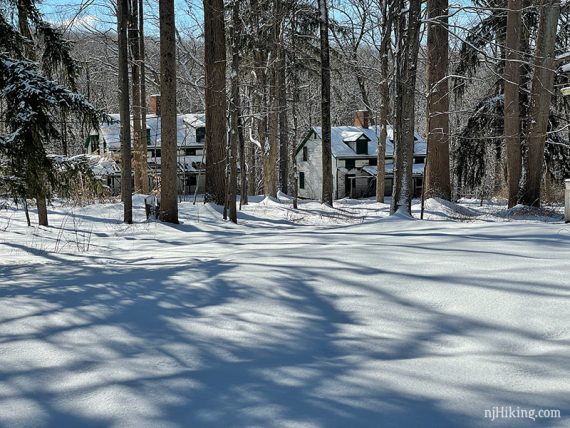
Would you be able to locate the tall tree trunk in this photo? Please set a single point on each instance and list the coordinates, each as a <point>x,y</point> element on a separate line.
<point>42,209</point>
<point>263,133</point>
<point>283,120</point>
<point>542,82</point>
<point>215,96</point>
<point>143,139</point>
<point>327,190</point>
<point>408,40</point>
<point>235,36</point>
<point>168,125</point>
<point>512,77</point>
<point>251,170</point>
<point>294,106</point>
<point>271,142</point>
<point>243,199</point>
<point>387,15</point>
<point>271,147</point>
<point>139,156</point>
<point>124,112</point>
<point>437,180</point>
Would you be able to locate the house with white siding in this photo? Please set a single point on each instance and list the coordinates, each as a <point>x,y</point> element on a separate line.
<point>191,132</point>
<point>354,160</point>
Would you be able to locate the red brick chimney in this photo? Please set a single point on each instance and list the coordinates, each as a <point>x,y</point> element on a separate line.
<point>154,105</point>
<point>361,119</point>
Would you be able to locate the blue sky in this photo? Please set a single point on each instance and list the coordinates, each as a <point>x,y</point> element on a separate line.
<point>99,14</point>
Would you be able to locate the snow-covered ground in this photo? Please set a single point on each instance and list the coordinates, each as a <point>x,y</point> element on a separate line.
<point>317,317</point>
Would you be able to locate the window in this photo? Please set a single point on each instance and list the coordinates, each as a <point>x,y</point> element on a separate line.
<point>373,162</point>
<point>362,147</point>
<point>200,135</point>
<point>301,180</point>
<point>305,154</point>
<point>189,152</point>
<point>349,164</point>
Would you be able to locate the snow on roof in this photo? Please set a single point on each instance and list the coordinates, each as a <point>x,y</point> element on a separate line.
<point>417,169</point>
<point>340,135</point>
<point>102,165</point>
<point>195,120</point>
<point>186,130</point>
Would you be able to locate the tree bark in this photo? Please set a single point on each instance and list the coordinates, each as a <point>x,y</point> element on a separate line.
<point>408,40</point>
<point>215,96</point>
<point>512,125</point>
<point>124,112</point>
<point>168,125</point>
<point>270,144</point>
<point>542,83</point>
<point>143,139</point>
<point>251,170</point>
<point>42,209</point>
<point>294,107</point>
<point>387,15</point>
<point>437,179</point>
<point>243,199</point>
<point>271,147</point>
<point>139,156</point>
<point>283,121</point>
<point>235,35</point>
<point>327,189</point>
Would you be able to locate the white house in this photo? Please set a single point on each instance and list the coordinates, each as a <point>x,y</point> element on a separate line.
<point>191,131</point>
<point>354,160</point>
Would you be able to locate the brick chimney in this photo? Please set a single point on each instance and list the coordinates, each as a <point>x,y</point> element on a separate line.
<point>361,119</point>
<point>154,105</point>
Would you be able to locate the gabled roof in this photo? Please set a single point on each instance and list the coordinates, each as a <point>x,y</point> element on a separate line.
<point>340,135</point>
<point>186,130</point>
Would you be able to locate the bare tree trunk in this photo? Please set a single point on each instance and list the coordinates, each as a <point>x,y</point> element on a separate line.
<point>542,83</point>
<point>27,211</point>
<point>168,125</point>
<point>327,190</point>
<point>283,121</point>
<point>124,112</point>
<point>271,142</point>
<point>243,199</point>
<point>235,35</point>
<point>138,155</point>
<point>437,180</point>
<point>512,77</point>
<point>294,106</point>
<point>271,146</point>
<point>42,209</point>
<point>408,40</point>
<point>216,129</point>
<point>251,170</point>
<point>388,14</point>
<point>143,139</point>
